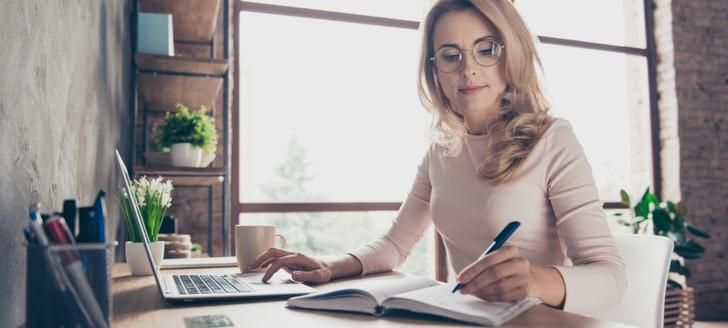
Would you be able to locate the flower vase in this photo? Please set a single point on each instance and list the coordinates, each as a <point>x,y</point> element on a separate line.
<point>137,260</point>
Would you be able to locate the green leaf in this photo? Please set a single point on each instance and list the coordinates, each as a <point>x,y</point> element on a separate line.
<point>687,252</point>
<point>661,219</point>
<point>672,207</point>
<point>695,246</point>
<point>625,198</point>
<point>674,284</point>
<point>695,231</point>
<point>677,267</point>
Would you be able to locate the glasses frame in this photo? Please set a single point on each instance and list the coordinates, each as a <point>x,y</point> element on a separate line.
<point>497,48</point>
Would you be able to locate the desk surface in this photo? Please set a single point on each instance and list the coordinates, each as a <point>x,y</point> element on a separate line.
<point>138,303</point>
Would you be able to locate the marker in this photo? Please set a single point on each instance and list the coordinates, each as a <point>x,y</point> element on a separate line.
<point>495,245</point>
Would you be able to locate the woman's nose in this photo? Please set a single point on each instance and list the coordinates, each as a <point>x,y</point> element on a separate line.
<point>468,66</point>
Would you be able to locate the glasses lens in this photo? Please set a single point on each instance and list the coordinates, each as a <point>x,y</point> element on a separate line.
<point>487,52</point>
<point>447,59</point>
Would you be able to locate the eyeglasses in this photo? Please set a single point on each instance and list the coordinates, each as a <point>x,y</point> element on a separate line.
<point>486,53</point>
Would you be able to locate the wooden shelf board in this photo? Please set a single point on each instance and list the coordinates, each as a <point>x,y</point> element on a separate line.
<point>162,92</point>
<point>179,171</point>
<point>178,64</point>
<point>192,20</point>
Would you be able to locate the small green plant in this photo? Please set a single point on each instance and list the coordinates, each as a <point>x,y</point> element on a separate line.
<point>195,127</point>
<point>667,219</point>
<point>153,197</point>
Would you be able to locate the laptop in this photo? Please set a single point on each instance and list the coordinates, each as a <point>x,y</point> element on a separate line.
<point>199,286</point>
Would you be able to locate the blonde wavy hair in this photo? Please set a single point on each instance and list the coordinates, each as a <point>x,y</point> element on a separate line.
<point>523,116</point>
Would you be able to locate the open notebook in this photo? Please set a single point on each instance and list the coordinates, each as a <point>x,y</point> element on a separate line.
<point>413,294</point>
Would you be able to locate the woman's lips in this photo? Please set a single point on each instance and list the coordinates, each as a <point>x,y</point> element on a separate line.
<point>471,90</point>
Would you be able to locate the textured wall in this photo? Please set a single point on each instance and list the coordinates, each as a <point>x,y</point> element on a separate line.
<point>700,32</point>
<point>692,40</point>
<point>64,89</point>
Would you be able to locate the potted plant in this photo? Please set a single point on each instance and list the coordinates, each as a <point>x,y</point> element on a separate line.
<point>668,219</point>
<point>190,136</point>
<point>153,197</point>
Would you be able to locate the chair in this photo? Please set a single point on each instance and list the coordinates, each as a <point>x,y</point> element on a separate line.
<point>647,260</point>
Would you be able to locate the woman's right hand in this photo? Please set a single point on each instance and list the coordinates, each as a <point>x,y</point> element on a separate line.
<point>301,267</point>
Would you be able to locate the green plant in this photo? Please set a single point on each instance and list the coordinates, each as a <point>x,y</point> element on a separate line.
<point>195,127</point>
<point>153,197</point>
<point>667,219</point>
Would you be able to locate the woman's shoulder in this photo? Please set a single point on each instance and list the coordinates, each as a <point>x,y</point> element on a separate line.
<point>560,133</point>
<point>558,124</point>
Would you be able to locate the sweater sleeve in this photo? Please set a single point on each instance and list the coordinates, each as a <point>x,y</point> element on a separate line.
<point>391,249</point>
<point>597,279</point>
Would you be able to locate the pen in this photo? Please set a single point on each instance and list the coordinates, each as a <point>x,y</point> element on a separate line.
<point>36,229</point>
<point>36,224</point>
<point>28,236</point>
<point>495,245</point>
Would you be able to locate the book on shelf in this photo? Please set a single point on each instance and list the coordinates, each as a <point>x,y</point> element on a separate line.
<point>414,294</point>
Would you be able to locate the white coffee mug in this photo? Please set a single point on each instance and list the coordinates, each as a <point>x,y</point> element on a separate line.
<point>253,240</point>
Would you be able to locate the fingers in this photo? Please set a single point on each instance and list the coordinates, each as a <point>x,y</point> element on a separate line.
<point>271,253</point>
<point>315,276</point>
<point>293,260</point>
<point>497,291</point>
<point>513,267</point>
<point>515,294</point>
<point>473,270</point>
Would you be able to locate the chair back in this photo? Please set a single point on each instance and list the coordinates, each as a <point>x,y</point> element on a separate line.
<point>647,261</point>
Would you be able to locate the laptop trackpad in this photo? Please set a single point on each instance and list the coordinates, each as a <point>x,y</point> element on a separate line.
<point>279,279</point>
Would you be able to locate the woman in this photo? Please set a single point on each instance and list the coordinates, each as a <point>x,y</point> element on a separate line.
<point>497,156</point>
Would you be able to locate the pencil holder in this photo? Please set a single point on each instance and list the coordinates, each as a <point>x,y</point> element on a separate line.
<point>69,285</point>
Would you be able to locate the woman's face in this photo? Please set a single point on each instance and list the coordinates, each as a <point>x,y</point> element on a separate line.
<point>472,88</point>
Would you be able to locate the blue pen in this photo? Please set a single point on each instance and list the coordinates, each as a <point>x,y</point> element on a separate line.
<point>496,244</point>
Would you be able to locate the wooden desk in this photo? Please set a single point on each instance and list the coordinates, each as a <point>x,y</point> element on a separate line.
<point>138,303</point>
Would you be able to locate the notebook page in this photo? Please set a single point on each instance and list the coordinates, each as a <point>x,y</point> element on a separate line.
<point>439,300</point>
<point>362,295</point>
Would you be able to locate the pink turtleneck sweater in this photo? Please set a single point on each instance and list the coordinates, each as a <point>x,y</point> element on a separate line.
<point>554,197</point>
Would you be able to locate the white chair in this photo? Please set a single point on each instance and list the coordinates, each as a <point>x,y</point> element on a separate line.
<point>647,260</point>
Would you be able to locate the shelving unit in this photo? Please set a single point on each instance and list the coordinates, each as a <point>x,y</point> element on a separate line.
<point>197,75</point>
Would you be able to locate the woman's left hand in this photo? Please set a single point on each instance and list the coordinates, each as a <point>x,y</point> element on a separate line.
<point>502,276</point>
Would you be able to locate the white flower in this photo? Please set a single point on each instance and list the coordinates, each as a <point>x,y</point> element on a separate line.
<point>143,187</point>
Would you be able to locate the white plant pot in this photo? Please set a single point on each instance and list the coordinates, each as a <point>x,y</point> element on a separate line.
<point>137,260</point>
<point>206,159</point>
<point>186,155</point>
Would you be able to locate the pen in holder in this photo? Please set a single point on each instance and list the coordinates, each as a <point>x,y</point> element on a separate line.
<point>80,293</point>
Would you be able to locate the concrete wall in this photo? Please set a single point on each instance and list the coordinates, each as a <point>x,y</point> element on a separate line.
<point>64,90</point>
<point>692,44</point>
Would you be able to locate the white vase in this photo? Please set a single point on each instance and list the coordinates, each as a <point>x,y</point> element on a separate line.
<point>186,155</point>
<point>137,260</point>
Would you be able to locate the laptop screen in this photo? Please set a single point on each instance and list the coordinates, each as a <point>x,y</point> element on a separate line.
<point>136,213</point>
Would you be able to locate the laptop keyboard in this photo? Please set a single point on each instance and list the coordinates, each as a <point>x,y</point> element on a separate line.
<point>191,284</point>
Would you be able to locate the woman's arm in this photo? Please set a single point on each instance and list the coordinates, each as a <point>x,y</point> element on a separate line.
<point>597,279</point>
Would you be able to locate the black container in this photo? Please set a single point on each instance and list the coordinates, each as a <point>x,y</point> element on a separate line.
<point>69,285</point>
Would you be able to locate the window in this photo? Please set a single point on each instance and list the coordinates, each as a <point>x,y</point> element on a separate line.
<point>331,130</point>
<point>596,75</point>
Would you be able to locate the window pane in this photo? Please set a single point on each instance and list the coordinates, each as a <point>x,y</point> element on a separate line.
<point>329,111</point>
<point>617,22</point>
<point>400,9</point>
<point>333,233</point>
<point>605,97</point>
